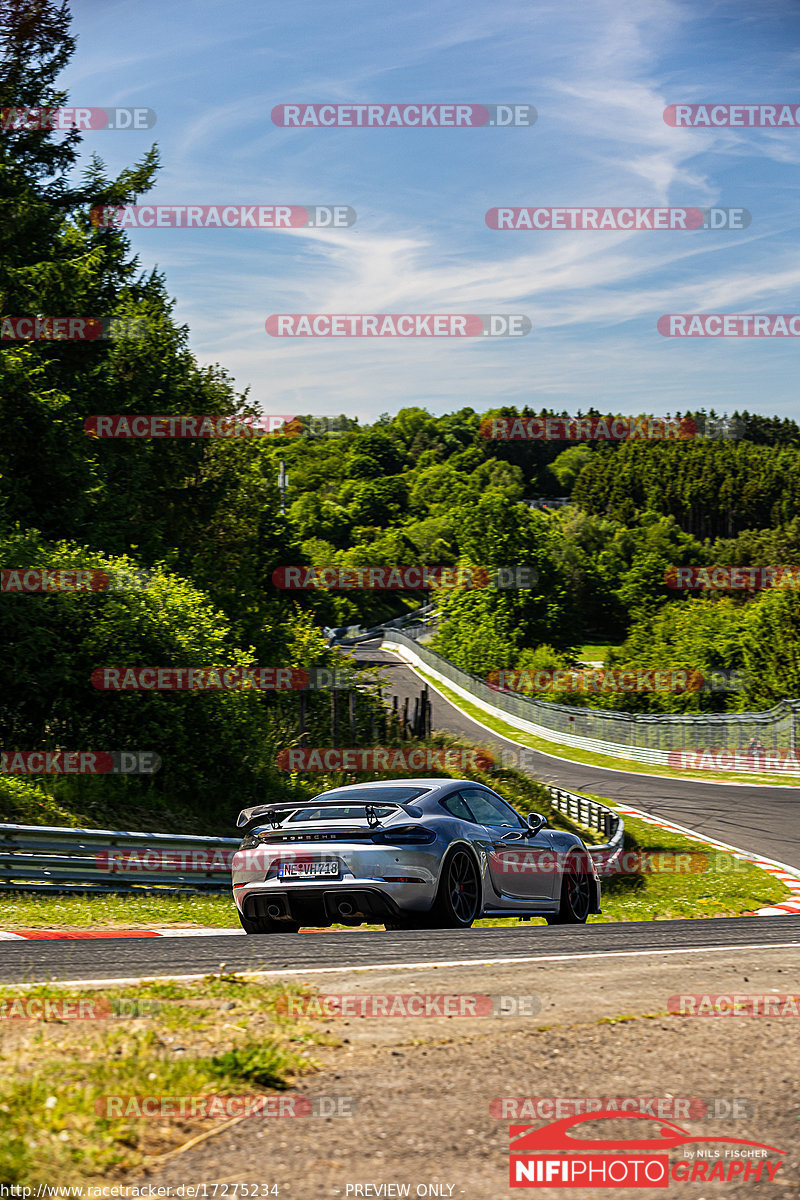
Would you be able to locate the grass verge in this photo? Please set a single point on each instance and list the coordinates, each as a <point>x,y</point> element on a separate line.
<point>726,887</point>
<point>131,911</point>
<point>227,1036</point>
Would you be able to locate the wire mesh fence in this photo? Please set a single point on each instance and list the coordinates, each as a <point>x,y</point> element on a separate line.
<point>739,741</point>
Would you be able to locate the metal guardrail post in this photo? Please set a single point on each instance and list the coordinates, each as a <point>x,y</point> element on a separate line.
<point>599,817</point>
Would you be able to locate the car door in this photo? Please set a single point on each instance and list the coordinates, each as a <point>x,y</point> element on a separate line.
<point>524,866</point>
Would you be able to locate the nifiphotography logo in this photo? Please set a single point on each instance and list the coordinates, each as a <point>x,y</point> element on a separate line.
<point>550,1156</point>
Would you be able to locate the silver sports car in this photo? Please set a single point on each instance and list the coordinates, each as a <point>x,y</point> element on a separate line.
<point>408,854</point>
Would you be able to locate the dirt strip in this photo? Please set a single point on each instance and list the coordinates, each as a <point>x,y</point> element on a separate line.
<point>425,1084</point>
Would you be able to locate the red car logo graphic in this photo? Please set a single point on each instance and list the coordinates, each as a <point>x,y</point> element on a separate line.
<point>526,1139</point>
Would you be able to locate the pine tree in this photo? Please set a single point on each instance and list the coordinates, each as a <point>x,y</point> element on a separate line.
<point>210,509</point>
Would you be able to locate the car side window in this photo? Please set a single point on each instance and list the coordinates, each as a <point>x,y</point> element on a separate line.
<point>457,808</point>
<point>490,810</point>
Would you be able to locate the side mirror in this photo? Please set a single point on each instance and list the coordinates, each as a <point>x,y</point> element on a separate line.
<point>536,822</point>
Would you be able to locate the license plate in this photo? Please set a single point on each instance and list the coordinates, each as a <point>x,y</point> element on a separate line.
<point>307,870</point>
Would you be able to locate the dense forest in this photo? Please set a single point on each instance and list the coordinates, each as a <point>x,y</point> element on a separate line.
<point>417,488</point>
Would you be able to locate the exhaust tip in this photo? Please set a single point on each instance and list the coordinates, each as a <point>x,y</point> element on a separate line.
<point>273,911</point>
<point>345,908</point>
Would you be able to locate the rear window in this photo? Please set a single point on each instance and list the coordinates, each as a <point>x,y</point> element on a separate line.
<point>343,813</point>
<point>376,795</point>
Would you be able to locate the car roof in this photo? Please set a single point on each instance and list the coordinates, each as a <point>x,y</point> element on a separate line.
<point>430,784</point>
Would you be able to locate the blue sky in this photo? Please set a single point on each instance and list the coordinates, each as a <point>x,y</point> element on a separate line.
<point>599,72</point>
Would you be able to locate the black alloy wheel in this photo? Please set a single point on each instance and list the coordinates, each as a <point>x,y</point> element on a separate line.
<point>576,893</point>
<point>458,901</point>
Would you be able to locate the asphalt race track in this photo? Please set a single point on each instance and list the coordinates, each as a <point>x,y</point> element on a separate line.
<point>26,962</point>
<point>764,820</point>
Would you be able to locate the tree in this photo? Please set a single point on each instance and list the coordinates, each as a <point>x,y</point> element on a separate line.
<point>771,646</point>
<point>569,464</point>
<point>213,744</point>
<point>208,509</point>
<point>373,454</point>
<point>497,533</point>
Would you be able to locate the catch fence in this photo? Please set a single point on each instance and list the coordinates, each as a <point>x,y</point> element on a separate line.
<point>665,739</point>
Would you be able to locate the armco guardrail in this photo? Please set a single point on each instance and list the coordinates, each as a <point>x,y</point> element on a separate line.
<point>53,859</point>
<point>44,858</point>
<point>592,815</point>
<point>366,635</point>
<point>640,737</point>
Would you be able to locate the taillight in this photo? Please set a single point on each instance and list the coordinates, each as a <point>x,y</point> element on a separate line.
<point>405,835</point>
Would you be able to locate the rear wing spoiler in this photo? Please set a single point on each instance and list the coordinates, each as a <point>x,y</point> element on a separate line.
<point>268,810</point>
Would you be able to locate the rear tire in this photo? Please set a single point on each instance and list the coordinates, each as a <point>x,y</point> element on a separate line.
<point>576,893</point>
<point>457,902</point>
<point>264,925</point>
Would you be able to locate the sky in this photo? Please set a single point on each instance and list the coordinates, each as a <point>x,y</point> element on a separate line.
<point>598,72</point>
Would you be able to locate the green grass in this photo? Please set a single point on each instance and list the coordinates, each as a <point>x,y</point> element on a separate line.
<point>226,1036</point>
<point>596,651</point>
<point>591,758</point>
<point>103,802</point>
<point>23,911</point>
<point>108,911</point>
<point>726,888</point>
